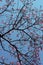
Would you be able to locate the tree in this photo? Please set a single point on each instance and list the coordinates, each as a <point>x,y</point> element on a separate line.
<point>21,34</point>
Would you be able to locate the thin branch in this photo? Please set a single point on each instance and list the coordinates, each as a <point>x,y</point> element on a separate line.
<point>6,8</point>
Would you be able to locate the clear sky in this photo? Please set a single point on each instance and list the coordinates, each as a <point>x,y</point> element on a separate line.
<point>36,4</point>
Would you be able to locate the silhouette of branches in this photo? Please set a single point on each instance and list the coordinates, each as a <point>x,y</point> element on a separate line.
<point>22,28</point>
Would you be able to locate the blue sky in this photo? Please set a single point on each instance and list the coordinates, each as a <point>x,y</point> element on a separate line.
<point>36,4</point>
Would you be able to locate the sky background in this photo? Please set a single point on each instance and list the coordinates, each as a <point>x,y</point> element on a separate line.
<point>36,4</point>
